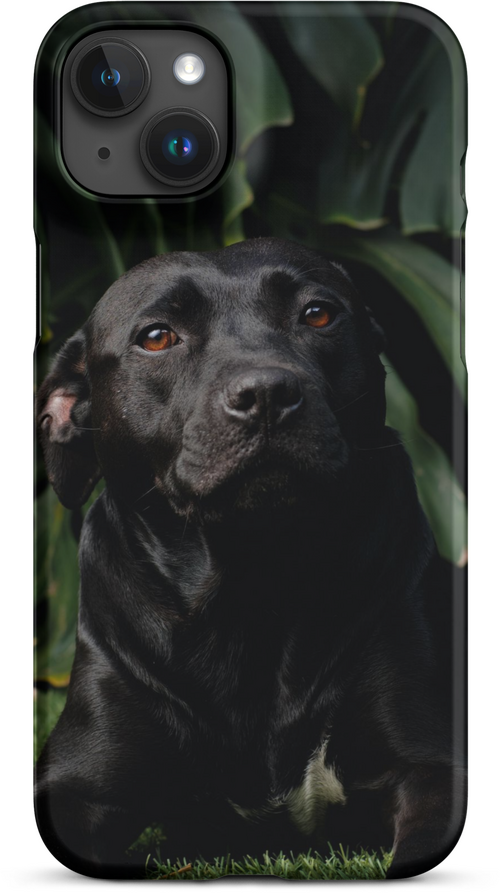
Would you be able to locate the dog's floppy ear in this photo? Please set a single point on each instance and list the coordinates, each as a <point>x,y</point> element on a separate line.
<point>377,331</point>
<point>64,423</point>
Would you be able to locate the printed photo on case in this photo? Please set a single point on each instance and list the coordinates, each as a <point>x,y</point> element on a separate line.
<point>250,509</point>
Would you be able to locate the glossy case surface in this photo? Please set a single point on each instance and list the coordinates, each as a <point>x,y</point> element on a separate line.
<point>349,142</point>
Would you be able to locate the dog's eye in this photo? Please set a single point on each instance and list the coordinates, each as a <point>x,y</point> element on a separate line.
<point>317,315</point>
<point>157,338</point>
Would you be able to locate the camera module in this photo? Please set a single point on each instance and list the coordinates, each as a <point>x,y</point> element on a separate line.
<point>180,146</point>
<point>110,78</point>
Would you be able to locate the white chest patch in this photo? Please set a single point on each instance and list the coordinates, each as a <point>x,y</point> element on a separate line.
<point>308,803</point>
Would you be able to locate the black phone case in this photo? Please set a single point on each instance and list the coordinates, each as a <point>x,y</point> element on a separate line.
<point>255,441</point>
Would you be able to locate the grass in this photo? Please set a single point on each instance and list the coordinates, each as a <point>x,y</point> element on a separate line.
<point>306,866</point>
<point>340,865</point>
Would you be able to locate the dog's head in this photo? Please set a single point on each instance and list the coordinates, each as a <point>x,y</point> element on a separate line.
<point>226,381</point>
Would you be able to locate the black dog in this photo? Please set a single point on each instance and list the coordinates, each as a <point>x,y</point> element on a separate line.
<point>257,663</point>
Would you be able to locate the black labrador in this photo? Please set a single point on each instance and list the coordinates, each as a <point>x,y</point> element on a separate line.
<point>259,663</point>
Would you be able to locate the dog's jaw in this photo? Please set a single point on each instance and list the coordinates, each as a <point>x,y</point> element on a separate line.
<point>261,488</point>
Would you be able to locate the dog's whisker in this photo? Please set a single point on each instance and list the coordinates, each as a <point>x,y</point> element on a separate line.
<point>387,446</point>
<point>341,408</point>
<point>355,400</point>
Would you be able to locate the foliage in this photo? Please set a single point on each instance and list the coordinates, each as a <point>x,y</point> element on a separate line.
<point>47,708</point>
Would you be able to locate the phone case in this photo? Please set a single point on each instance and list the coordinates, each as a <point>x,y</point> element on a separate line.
<point>250,510</point>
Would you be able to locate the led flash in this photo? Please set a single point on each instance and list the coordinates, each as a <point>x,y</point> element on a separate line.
<point>189,68</point>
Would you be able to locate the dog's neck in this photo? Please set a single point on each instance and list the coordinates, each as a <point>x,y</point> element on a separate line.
<point>346,543</point>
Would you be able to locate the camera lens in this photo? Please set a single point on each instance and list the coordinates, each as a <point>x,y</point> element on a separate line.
<point>180,147</point>
<point>110,78</point>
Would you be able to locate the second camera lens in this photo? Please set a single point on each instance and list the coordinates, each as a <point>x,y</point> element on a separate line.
<point>180,147</point>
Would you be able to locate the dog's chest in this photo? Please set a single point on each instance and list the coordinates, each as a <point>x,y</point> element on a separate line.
<point>306,803</point>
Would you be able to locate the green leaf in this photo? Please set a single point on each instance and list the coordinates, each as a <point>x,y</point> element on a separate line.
<point>439,491</point>
<point>262,98</point>
<point>156,230</point>
<point>354,180</point>
<point>429,283</point>
<point>338,47</point>
<point>236,196</point>
<point>407,145</point>
<point>48,707</point>
<point>429,192</point>
<point>57,589</point>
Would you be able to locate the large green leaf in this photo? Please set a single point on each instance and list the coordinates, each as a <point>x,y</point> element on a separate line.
<point>361,166</point>
<point>353,182</point>
<point>262,98</point>
<point>338,47</point>
<point>429,189</point>
<point>429,283</point>
<point>439,491</point>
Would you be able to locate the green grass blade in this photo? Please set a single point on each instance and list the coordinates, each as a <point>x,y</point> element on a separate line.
<point>237,195</point>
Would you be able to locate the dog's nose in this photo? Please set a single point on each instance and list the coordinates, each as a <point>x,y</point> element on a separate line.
<point>269,394</point>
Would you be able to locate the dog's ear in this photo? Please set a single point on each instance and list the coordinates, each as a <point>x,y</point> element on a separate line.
<point>64,423</point>
<point>377,331</point>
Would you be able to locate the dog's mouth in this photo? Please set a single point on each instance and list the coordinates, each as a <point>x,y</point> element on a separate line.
<point>264,483</point>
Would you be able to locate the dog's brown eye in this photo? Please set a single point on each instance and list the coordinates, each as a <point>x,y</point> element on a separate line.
<point>158,338</point>
<point>317,315</point>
